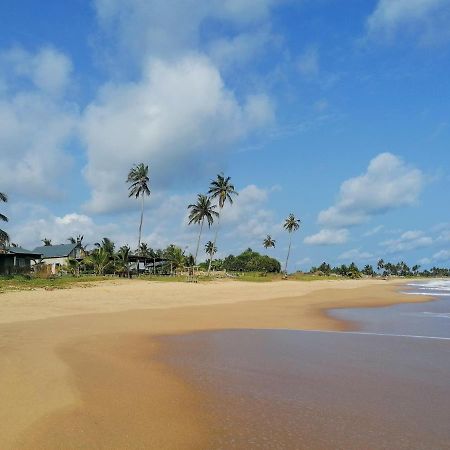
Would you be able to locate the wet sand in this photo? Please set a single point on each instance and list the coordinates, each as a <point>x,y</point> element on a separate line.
<point>82,368</point>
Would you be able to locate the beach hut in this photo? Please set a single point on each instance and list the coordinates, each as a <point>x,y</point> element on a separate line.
<point>17,260</point>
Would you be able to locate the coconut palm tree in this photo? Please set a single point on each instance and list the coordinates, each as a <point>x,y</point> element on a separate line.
<point>107,245</point>
<point>200,211</point>
<point>269,242</point>
<point>222,190</point>
<point>122,261</point>
<point>76,240</point>
<point>4,238</point>
<point>210,250</point>
<point>47,242</point>
<point>139,181</point>
<point>291,224</point>
<point>100,258</point>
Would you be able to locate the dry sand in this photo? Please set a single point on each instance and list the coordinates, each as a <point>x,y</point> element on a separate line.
<point>79,367</point>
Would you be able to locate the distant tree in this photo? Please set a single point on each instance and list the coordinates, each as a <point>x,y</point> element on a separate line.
<point>145,251</point>
<point>200,211</point>
<point>4,237</point>
<point>210,250</point>
<point>368,270</point>
<point>176,257</point>
<point>291,224</point>
<point>268,242</point>
<point>122,260</point>
<point>222,190</point>
<point>76,240</point>
<point>380,265</point>
<point>139,187</point>
<point>100,259</point>
<point>107,245</point>
<point>47,242</point>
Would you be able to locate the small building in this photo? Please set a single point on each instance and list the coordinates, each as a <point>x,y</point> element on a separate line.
<point>59,255</point>
<point>17,260</point>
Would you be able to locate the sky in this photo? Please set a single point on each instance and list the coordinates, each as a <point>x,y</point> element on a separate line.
<point>338,112</point>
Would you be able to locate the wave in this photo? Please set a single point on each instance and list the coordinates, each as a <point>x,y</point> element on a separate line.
<point>428,294</point>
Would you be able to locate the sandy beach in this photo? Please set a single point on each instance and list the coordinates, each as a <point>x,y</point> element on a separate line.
<point>81,368</point>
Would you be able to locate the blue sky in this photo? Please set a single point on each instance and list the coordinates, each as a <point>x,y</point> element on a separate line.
<point>336,111</point>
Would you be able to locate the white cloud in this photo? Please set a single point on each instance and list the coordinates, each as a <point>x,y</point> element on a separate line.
<point>178,117</point>
<point>356,255</point>
<point>442,256</point>
<point>410,240</point>
<point>35,123</point>
<point>429,17</point>
<point>308,62</point>
<point>373,231</point>
<point>163,28</point>
<point>328,237</point>
<point>388,184</point>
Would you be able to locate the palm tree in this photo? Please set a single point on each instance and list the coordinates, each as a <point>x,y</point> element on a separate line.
<point>269,242</point>
<point>122,262</point>
<point>380,264</point>
<point>100,258</point>
<point>46,242</point>
<point>144,250</point>
<point>222,190</point>
<point>139,180</point>
<point>200,211</point>
<point>4,237</point>
<point>76,240</point>
<point>290,224</point>
<point>210,250</point>
<point>107,245</point>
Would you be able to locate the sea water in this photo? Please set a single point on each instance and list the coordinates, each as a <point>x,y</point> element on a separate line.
<point>385,386</point>
<point>430,319</point>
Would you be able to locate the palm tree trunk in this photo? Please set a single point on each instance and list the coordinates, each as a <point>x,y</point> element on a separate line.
<point>198,241</point>
<point>289,252</point>
<point>215,240</point>
<point>140,224</point>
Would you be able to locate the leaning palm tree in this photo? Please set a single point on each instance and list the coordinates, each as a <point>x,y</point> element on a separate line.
<point>4,237</point>
<point>200,211</point>
<point>222,190</point>
<point>290,224</point>
<point>139,180</point>
<point>210,250</point>
<point>269,242</point>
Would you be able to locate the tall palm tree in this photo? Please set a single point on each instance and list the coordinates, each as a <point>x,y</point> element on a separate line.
<point>291,224</point>
<point>76,240</point>
<point>4,238</point>
<point>210,249</point>
<point>200,211</point>
<point>222,190</point>
<point>100,258</point>
<point>269,242</point>
<point>139,181</point>
<point>107,245</point>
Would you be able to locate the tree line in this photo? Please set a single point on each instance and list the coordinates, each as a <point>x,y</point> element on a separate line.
<point>383,268</point>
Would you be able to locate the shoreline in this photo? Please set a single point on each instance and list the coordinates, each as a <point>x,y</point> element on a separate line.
<point>67,355</point>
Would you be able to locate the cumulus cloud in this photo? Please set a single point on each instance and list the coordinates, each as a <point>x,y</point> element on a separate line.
<point>147,27</point>
<point>389,183</point>
<point>328,237</point>
<point>177,116</point>
<point>410,240</point>
<point>356,254</point>
<point>430,17</point>
<point>35,123</point>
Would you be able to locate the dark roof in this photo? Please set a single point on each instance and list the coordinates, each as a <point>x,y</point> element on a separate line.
<point>55,251</point>
<point>22,251</point>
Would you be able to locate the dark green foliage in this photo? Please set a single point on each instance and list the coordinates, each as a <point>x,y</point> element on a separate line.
<point>250,261</point>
